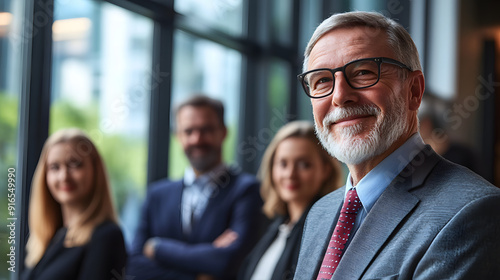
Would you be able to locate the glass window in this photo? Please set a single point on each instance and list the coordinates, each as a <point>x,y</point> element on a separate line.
<point>225,15</point>
<point>201,66</point>
<point>361,5</point>
<point>102,61</point>
<point>282,21</point>
<point>11,19</point>
<point>310,16</point>
<point>279,95</point>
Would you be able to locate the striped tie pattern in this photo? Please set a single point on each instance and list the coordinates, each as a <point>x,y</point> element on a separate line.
<point>340,235</point>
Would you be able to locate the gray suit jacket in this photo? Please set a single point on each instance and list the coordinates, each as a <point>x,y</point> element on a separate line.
<point>436,220</point>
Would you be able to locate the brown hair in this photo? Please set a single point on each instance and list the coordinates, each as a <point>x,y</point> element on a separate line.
<point>199,100</point>
<point>45,216</point>
<point>273,204</point>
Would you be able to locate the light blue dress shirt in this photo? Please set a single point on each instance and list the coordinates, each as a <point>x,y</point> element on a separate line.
<point>373,184</point>
<point>196,194</point>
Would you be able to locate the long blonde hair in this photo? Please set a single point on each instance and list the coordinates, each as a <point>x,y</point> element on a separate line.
<point>273,204</point>
<point>45,216</point>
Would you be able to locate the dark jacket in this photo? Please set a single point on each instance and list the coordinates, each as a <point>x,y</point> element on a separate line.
<point>235,204</point>
<point>285,268</point>
<point>103,258</point>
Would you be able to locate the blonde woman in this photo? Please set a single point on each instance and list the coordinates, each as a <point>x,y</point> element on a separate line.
<point>73,225</point>
<point>295,172</point>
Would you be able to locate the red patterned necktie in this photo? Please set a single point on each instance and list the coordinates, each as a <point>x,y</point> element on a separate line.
<point>340,235</point>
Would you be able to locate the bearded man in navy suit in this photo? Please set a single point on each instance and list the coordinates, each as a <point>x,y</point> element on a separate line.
<point>421,216</point>
<point>200,227</point>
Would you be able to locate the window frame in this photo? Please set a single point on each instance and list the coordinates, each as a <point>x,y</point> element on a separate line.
<point>36,93</point>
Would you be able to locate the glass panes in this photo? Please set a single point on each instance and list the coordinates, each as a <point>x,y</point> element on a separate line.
<point>374,5</point>
<point>279,92</point>
<point>201,66</point>
<point>224,15</point>
<point>102,57</point>
<point>11,46</point>
<point>282,21</point>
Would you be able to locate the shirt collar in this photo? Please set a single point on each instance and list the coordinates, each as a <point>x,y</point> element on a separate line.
<point>190,177</point>
<point>373,184</point>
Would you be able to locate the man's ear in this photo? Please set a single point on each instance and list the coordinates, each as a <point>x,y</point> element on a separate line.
<point>416,87</point>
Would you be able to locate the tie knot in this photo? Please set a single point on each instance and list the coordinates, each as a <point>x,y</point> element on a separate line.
<point>352,204</point>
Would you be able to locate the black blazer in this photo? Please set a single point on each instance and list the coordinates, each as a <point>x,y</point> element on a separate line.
<point>103,258</point>
<point>285,268</point>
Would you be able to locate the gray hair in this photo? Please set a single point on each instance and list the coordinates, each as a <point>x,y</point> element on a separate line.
<point>399,39</point>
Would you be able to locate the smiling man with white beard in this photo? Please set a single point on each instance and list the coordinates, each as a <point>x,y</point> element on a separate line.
<point>351,150</point>
<point>405,212</point>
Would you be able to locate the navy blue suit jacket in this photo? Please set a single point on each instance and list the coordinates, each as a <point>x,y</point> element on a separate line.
<point>235,205</point>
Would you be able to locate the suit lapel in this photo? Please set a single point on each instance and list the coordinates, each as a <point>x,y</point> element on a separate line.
<point>384,217</point>
<point>223,184</point>
<point>318,231</point>
<point>395,203</point>
<point>174,209</point>
<point>263,245</point>
<point>55,247</point>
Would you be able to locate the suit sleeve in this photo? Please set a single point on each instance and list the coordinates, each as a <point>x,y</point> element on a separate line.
<point>141,267</point>
<point>105,255</point>
<point>203,257</point>
<point>468,247</point>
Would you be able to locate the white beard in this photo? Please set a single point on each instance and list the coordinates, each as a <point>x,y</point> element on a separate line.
<point>350,149</point>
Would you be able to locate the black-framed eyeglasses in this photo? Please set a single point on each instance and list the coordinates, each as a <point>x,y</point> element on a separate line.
<point>359,74</point>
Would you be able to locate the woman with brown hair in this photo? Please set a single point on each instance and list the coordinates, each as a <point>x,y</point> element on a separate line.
<point>73,226</point>
<point>295,172</point>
